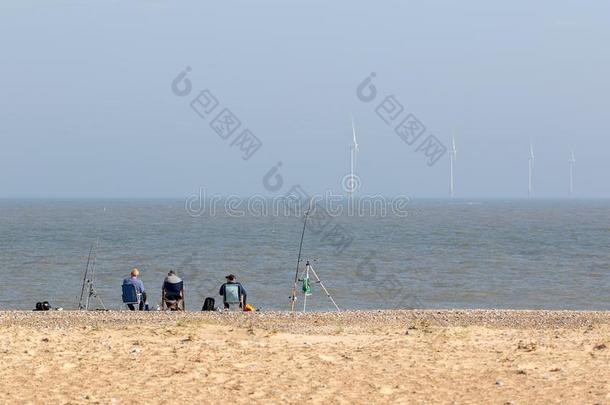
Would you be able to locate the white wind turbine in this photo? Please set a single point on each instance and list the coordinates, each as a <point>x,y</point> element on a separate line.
<point>530,171</point>
<point>353,183</point>
<point>571,161</point>
<point>453,158</point>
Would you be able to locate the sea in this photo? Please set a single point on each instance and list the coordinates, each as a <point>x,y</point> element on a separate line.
<point>438,254</point>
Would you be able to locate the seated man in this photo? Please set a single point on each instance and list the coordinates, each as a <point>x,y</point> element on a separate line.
<point>172,295</point>
<point>233,293</point>
<point>139,285</point>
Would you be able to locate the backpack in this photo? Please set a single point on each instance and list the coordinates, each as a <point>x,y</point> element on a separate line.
<point>208,304</point>
<point>43,306</point>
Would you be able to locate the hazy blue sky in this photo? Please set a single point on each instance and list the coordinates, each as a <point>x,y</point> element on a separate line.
<point>87,108</point>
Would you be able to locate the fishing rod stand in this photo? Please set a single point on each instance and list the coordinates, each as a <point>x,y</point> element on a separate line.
<point>309,269</point>
<point>89,282</point>
<point>92,293</point>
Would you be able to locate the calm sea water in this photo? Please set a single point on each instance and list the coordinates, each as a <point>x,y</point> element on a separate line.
<point>443,254</point>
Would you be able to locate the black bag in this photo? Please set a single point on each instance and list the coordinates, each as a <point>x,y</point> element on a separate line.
<point>208,304</point>
<point>43,306</point>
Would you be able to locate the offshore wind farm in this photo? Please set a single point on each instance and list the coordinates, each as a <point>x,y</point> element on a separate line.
<point>452,159</point>
<point>530,171</point>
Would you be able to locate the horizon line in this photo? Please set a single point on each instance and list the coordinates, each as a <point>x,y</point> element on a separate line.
<point>182,198</point>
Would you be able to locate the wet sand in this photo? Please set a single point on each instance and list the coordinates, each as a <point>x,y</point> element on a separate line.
<point>352,357</point>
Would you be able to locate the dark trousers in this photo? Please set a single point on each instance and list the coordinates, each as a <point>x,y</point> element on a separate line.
<point>142,301</point>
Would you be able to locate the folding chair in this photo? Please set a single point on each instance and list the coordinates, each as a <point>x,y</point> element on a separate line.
<point>173,296</point>
<point>131,297</point>
<point>232,297</point>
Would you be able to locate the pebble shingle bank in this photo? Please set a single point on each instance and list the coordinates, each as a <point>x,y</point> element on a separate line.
<point>314,322</point>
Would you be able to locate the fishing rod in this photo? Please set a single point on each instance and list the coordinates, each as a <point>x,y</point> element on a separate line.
<point>293,298</point>
<point>82,291</point>
<point>92,291</point>
<point>89,277</point>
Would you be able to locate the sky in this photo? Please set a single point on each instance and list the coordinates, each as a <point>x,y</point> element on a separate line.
<point>87,107</point>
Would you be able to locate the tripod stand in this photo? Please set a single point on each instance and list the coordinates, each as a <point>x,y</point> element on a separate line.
<point>305,280</point>
<point>88,282</point>
<point>307,291</point>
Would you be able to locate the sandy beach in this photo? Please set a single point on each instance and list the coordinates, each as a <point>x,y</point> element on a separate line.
<point>500,357</point>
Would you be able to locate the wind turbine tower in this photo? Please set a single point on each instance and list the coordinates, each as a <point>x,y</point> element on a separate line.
<point>572,161</point>
<point>453,158</point>
<point>353,186</point>
<point>530,171</point>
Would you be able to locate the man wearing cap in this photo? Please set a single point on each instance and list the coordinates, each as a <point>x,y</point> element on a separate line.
<point>232,280</point>
<point>133,279</point>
